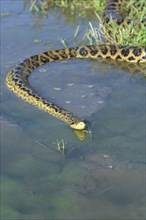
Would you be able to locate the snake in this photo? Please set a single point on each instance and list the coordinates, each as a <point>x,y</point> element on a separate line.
<point>17,78</point>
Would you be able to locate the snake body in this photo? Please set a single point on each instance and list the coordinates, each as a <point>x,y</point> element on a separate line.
<point>17,78</point>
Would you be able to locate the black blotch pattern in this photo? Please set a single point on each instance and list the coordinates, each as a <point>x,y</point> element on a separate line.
<point>44,59</point>
<point>93,52</point>
<point>118,57</point>
<point>108,57</point>
<point>72,52</point>
<point>113,50</point>
<point>83,51</point>
<point>20,81</point>
<point>37,97</point>
<point>31,93</point>
<point>63,55</point>
<point>55,108</point>
<point>17,69</point>
<point>137,52</point>
<point>16,75</point>
<point>46,53</point>
<point>16,79</point>
<point>36,64</point>
<point>53,56</point>
<point>26,89</point>
<point>19,84</point>
<point>131,58</point>
<point>48,104</point>
<point>35,57</point>
<point>125,52</point>
<point>104,50</point>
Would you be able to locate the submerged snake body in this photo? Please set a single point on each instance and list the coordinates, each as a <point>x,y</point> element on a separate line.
<point>17,78</point>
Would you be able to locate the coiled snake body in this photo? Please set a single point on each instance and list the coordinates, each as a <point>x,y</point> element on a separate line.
<point>17,78</point>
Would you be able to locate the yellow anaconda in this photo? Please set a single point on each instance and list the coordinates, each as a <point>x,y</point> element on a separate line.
<point>17,78</point>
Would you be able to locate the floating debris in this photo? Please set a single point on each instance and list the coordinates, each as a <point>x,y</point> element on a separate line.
<point>57,89</point>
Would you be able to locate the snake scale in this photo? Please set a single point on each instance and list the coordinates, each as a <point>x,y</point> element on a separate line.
<point>17,78</point>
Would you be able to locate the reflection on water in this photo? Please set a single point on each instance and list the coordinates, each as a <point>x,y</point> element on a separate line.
<point>44,186</point>
<point>100,178</point>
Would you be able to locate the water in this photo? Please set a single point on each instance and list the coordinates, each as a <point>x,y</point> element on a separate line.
<point>102,177</point>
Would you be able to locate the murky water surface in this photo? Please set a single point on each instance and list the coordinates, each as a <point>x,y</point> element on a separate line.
<point>100,178</point>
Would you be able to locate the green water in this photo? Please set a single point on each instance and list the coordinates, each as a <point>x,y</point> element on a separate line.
<point>100,178</point>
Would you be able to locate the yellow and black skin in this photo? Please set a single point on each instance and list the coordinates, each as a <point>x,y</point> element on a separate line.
<point>17,78</point>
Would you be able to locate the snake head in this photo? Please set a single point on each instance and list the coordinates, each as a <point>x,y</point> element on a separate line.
<point>79,125</point>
